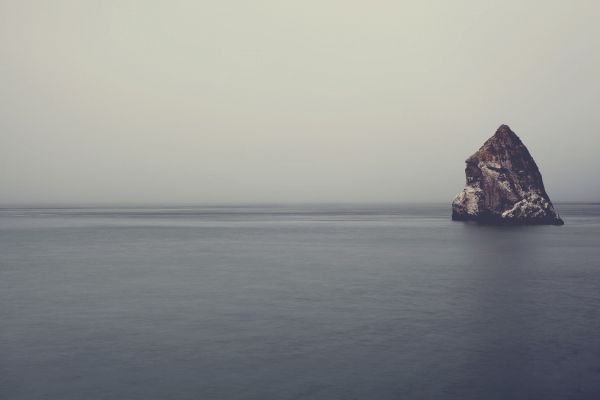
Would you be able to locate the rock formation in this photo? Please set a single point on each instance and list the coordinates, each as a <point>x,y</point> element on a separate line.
<point>504,185</point>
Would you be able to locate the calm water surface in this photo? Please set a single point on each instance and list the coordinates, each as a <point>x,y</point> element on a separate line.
<point>296,302</point>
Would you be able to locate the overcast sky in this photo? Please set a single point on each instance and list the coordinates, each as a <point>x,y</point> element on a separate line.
<point>278,101</point>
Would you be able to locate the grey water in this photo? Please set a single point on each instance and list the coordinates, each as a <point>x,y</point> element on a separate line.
<point>296,302</point>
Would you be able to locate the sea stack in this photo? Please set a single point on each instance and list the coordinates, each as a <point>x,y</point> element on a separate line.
<point>504,185</point>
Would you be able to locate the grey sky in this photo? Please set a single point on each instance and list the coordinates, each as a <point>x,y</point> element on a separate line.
<point>273,101</point>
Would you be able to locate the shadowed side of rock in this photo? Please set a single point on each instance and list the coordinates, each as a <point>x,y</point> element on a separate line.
<point>504,185</point>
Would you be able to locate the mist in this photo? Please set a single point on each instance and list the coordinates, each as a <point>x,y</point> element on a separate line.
<point>271,101</point>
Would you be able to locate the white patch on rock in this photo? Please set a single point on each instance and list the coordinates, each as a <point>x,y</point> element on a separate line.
<point>468,200</point>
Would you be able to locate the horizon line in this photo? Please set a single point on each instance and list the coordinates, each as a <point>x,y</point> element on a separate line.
<point>107,204</point>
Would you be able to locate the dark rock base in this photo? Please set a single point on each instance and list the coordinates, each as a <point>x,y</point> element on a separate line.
<point>494,219</point>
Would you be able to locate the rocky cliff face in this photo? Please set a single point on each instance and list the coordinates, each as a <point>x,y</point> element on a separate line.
<point>504,185</point>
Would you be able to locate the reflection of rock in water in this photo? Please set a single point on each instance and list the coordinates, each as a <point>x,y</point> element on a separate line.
<point>504,185</point>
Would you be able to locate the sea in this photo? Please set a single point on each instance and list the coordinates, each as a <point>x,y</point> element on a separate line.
<point>317,301</point>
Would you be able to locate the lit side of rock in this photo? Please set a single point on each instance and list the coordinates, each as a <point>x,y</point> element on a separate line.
<point>504,185</point>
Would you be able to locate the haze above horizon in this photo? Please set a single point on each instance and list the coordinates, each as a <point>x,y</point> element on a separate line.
<point>196,102</point>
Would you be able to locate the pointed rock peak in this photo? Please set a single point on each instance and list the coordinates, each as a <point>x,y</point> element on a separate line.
<point>504,133</point>
<point>502,147</point>
<point>504,129</point>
